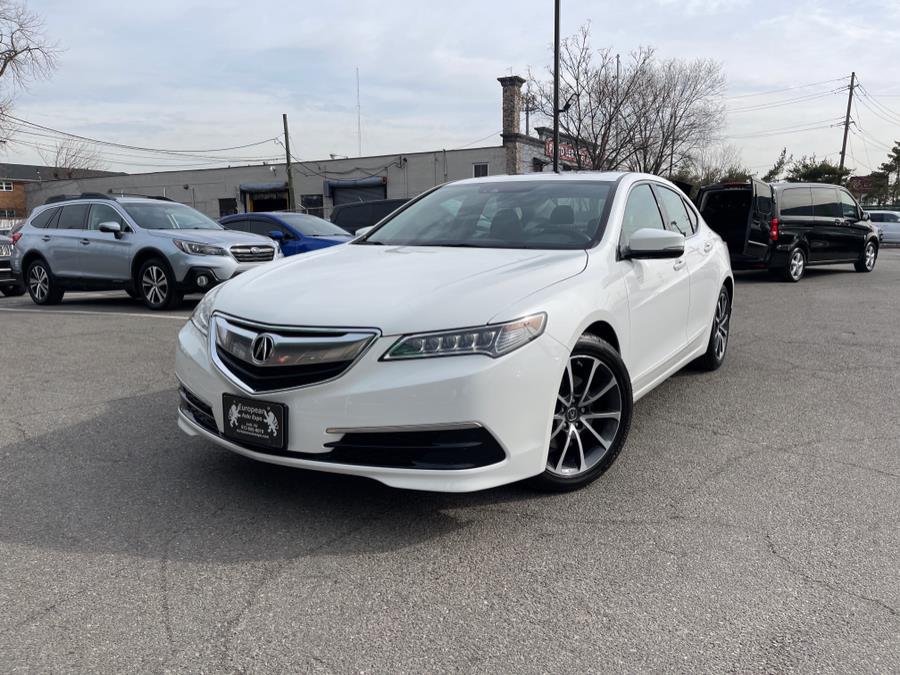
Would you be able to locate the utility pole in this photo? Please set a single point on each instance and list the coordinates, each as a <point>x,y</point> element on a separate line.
<point>847,123</point>
<point>556,87</point>
<point>292,204</point>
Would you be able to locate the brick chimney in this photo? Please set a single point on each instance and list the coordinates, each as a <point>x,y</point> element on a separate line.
<point>512,113</point>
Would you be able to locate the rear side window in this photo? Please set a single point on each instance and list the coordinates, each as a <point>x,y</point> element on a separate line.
<point>764,202</point>
<point>826,203</point>
<point>796,202</point>
<point>241,225</point>
<point>640,211</point>
<point>675,211</point>
<point>73,216</point>
<point>43,219</point>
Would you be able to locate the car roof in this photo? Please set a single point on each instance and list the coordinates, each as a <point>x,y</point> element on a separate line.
<point>565,176</point>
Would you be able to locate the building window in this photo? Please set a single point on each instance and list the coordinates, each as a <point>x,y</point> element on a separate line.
<point>480,170</point>
<point>227,206</point>
<point>6,186</point>
<point>313,205</point>
<point>7,213</point>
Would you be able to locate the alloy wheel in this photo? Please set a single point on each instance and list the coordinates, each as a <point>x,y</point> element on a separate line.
<point>586,417</point>
<point>155,285</point>
<point>722,325</point>
<point>870,256</point>
<point>39,282</point>
<point>798,262</point>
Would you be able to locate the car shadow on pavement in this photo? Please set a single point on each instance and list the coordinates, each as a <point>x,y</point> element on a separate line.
<point>129,482</point>
<point>764,277</point>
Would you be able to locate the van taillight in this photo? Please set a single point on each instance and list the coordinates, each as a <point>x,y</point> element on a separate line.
<point>773,230</point>
<point>16,237</point>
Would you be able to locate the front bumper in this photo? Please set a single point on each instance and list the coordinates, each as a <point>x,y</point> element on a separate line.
<point>216,269</point>
<point>511,398</point>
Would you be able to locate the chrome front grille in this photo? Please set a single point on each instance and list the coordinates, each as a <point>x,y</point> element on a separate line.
<point>253,253</point>
<point>264,359</point>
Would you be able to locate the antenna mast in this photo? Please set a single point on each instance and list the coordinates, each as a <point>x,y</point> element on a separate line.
<point>358,118</point>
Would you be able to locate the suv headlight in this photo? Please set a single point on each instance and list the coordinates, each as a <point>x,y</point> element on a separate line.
<point>194,248</point>
<point>492,340</point>
<point>203,311</point>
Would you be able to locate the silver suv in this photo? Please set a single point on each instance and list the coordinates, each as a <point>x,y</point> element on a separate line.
<point>153,248</point>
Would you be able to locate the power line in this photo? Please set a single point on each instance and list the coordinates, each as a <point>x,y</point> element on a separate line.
<point>790,101</point>
<point>809,126</point>
<point>778,91</point>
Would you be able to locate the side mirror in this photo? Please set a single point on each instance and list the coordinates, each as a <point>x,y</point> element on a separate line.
<point>866,216</point>
<point>277,235</point>
<point>111,228</point>
<point>364,230</point>
<point>655,243</point>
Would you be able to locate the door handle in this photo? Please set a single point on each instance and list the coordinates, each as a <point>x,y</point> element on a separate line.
<point>46,237</point>
<point>707,247</point>
<point>85,242</point>
<point>679,264</point>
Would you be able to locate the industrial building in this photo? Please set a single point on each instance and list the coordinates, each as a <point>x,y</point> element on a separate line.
<point>321,185</point>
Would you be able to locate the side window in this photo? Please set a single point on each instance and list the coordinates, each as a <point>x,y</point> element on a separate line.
<point>73,216</point>
<point>101,213</point>
<point>675,211</point>
<point>641,211</point>
<point>825,203</point>
<point>241,225</point>
<point>849,210</point>
<point>263,227</point>
<point>796,202</point>
<point>44,218</point>
<point>764,202</point>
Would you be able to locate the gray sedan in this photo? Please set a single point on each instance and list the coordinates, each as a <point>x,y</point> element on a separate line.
<point>889,223</point>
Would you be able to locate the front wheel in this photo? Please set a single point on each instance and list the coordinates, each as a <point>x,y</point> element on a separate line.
<point>866,262</point>
<point>591,417</point>
<point>157,284</point>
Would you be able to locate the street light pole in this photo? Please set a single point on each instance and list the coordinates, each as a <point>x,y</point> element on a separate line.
<point>556,86</point>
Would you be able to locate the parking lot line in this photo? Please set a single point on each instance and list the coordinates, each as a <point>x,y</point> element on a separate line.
<point>50,312</point>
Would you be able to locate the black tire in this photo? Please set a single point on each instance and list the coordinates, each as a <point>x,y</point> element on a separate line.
<point>795,268</point>
<point>869,257</point>
<point>157,285</point>
<point>594,371</point>
<point>133,294</point>
<point>717,347</point>
<point>13,291</point>
<point>42,286</point>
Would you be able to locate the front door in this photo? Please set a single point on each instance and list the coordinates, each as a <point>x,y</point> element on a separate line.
<point>106,258</point>
<point>659,294</point>
<point>855,230</point>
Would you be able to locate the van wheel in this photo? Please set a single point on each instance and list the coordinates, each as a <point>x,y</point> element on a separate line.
<point>42,287</point>
<point>796,266</point>
<point>866,262</point>
<point>718,337</point>
<point>157,285</point>
<point>591,417</point>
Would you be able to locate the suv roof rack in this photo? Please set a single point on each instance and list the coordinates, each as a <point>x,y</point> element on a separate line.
<point>115,195</point>
<point>83,195</point>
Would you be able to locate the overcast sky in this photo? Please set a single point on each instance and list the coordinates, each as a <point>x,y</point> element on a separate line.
<point>204,74</point>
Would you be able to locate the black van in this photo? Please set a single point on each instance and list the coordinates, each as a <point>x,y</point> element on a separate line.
<point>356,215</point>
<point>784,227</point>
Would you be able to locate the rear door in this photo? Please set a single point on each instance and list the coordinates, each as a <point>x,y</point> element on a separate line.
<point>795,215</point>
<point>828,233</point>
<point>760,220</point>
<point>726,209</point>
<point>68,243</point>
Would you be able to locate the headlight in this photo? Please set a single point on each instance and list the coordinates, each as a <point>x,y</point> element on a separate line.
<point>193,248</point>
<point>492,340</point>
<point>203,311</point>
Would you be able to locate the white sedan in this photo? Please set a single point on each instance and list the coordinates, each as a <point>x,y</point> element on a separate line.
<point>493,330</point>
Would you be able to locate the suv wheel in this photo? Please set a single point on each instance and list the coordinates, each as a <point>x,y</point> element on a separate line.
<point>796,266</point>
<point>591,417</point>
<point>157,285</point>
<point>42,287</point>
<point>866,263</point>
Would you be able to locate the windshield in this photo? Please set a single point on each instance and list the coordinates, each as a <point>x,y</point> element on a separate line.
<point>169,216</point>
<point>312,226</point>
<point>545,214</point>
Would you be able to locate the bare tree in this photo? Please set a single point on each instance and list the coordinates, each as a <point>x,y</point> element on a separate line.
<point>713,164</point>
<point>639,114</point>
<point>25,52</point>
<point>71,157</point>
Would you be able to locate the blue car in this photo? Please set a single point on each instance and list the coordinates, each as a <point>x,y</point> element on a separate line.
<point>295,232</point>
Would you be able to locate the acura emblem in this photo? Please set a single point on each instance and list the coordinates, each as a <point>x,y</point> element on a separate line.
<point>262,348</point>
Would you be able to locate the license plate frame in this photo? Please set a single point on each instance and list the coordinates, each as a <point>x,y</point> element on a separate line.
<point>253,422</point>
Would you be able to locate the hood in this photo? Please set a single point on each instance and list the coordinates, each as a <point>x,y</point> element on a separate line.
<point>218,237</point>
<point>398,289</point>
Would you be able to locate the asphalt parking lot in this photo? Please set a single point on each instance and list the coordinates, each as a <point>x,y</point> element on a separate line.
<point>751,524</point>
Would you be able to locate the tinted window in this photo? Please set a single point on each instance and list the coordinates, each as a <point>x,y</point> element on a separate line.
<point>796,202</point>
<point>241,225</point>
<point>640,211</point>
<point>848,206</point>
<point>675,211</point>
<point>825,203</point>
<point>263,227</point>
<point>73,216</point>
<point>311,226</point>
<point>878,218</point>
<point>764,202</point>
<point>43,219</point>
<point>103,213</point>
